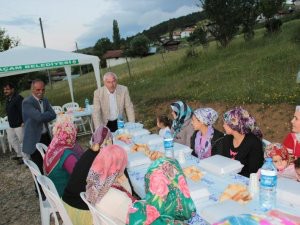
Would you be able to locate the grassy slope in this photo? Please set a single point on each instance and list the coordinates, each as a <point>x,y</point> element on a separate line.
<point>261,71</point>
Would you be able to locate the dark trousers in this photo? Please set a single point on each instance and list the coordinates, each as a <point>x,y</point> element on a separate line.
<point>112,125</point>
<point>38,159</point>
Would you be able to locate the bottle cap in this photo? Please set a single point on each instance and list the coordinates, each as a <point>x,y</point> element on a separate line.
<point>269,160</point>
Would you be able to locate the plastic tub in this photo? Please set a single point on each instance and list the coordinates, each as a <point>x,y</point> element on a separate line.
<point>221,165</point>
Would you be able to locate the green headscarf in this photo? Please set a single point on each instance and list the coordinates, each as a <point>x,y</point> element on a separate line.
<point>168,199</point>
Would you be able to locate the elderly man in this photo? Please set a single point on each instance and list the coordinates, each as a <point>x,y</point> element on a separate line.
<point>37,112</point>
<point>14,115</point>
<point>110,102</point>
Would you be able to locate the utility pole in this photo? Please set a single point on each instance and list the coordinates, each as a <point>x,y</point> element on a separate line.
<point>44,43</point>
<point>79,66</point>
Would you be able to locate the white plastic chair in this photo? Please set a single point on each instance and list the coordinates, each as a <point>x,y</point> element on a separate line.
<point>45,208</point>
<point>3,136</point>
<point>73,106</point>
<point>98,217</point>
<point>57,109</point>
<point>53,198</point>
<point>42,148</point>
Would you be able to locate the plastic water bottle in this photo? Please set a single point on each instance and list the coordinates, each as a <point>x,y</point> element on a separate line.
<point>120,122</point>
<point>268,183</point>
<point>87,104</point>
<point>168,144</point>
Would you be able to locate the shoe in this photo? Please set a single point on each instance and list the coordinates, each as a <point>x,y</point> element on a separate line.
<point>16,157</point>
<point>20,161</point>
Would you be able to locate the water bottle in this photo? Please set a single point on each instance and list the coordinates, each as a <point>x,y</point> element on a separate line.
<point>87,104</point>
<point>168,144</point>
<point>268,183</point>
<point>120,122</point>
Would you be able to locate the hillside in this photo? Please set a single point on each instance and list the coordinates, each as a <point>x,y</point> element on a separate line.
<point>262,72</point>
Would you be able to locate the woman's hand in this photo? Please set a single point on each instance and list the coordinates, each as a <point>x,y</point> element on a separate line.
<point>95,147</point>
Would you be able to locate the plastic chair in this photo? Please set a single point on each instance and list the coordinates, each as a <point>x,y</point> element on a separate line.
<point>45,208</point>
<point>53,198</point>
<point>42,149</point>
<point>73,106</point>
<point>57,109</point>
<point>98,217</point>
<point>3,136</point>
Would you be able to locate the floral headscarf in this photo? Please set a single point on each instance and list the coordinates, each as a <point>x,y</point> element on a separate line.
<point>64,137</point>
<point>240,120</point>
<point>168,199</point>
<point>208,116</point>
<point>107,166</point>
<point>183,112</point>
<point>102,136</point>
<point>276,149</point>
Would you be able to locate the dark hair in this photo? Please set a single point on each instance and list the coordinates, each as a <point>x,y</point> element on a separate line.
<point>297,163</point>
<point>165,120</point>
<point>10,85</point>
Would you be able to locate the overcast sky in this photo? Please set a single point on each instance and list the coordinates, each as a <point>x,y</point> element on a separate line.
<point>68,21</point>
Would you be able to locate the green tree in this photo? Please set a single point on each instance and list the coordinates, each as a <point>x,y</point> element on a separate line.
<point>6,42</point>
<point>116,35</point>
<point>269,8</point>
<point>199,36</point>
<point>139,45</point>
<point>101,46</point>
<point>225,16</point>
<point>249,14</point>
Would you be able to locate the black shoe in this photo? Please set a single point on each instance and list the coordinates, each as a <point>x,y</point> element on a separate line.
<point>20,161</point>
<point>16,157</point>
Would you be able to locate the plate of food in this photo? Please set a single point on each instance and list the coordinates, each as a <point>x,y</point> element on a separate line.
<point>236,192</point>
<point>193,173</point>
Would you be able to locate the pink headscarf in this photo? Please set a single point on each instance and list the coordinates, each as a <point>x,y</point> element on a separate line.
<point>64,137</point>
<point>276,149</point>
<point>107,166</point>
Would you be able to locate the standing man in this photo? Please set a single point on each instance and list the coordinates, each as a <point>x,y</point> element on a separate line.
<point>14,115</point>
<point>37,112</point>
<point>111,101</point>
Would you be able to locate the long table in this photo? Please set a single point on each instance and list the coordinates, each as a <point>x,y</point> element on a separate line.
<point>206,192</point>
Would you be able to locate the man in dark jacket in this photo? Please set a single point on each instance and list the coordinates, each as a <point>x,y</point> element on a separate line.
<point>14,115</point>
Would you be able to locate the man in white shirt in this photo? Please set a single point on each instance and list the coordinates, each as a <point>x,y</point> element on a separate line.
<point>111,101</point>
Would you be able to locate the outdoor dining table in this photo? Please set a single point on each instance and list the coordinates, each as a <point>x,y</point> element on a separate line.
<point>206,192</point>
<point>4,126</point>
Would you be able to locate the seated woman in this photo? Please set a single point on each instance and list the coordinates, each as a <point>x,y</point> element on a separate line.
<point>292,140</point>
<point>280,157</point>
<point>182,128</point>
<point>168,199</point>
<point>206,140</point>
<point>243,140</point>
<point>75,206</point>
<point>107,187</point>
<point>62,153</point>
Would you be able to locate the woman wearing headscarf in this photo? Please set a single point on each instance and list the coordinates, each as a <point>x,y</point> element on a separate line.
<point>61,156</point>
<point>292,140</point>
<point>75,206</point>
<point>168,199</point>
<point>182,128</point>
<point>206,140</point>
<point>243,140</point>
<point>107,187</point>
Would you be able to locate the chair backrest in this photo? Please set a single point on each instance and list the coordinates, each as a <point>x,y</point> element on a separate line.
<point>42,149</point>
<point>98,217</point>
<point>70,106</point>
<point>57,109</point>
<point>53,198</point>
<point>45,207</point>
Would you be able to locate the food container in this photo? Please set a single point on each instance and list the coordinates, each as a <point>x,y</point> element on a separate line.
<point>288,192</point>
<point>198,190</point>
<point>138,132</point>
<point>151,139</point>
<point>216,212</point>
<point>221,165</point>
<point>137,159</point>
<point>131,125</point>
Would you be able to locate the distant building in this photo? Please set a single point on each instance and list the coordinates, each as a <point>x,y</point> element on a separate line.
<point>171,45</point>
<point>114,57</point>
<point>176,35</point>
<point>152,50</point>
<point>187,32</point>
